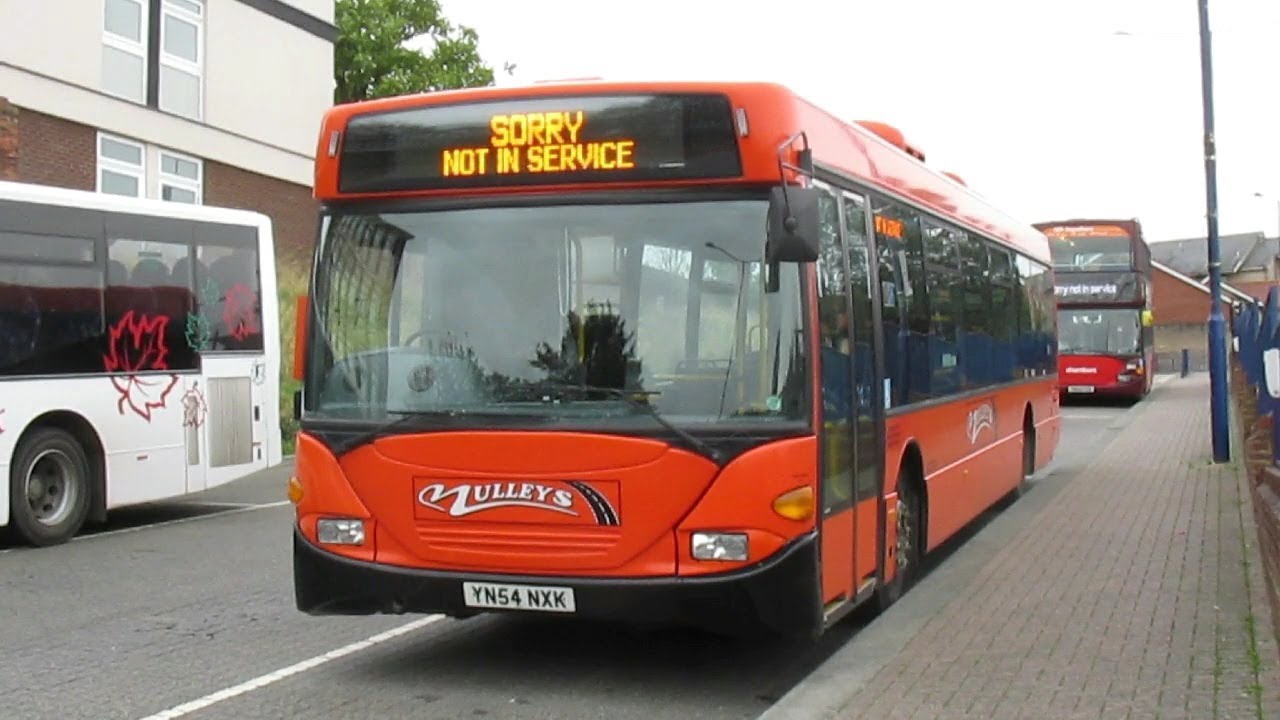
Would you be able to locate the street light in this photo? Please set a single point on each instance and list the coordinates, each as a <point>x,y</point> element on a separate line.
<point>1217,323</point>
<point>1264,229</point>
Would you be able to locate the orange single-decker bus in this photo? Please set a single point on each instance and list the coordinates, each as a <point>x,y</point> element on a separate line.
<point>673,352</point>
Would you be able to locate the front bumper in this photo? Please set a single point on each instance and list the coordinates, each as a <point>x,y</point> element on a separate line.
<point>781,592</point>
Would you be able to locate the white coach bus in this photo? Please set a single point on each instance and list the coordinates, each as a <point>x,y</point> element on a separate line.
<point>139,354</point>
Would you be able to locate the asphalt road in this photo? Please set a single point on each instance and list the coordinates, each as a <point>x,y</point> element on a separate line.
<point>186,610</point>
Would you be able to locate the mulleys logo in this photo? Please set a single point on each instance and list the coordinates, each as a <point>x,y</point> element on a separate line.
<point>467,498</point>
<point>980,418</point>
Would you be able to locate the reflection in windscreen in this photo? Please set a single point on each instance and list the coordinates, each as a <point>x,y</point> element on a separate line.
<point>507,310</point>
<point>1099,331</point>
<point>1091,253</point>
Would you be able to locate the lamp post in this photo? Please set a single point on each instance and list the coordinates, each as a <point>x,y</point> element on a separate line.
<point>1217,323</point>
<point>1264,227</point>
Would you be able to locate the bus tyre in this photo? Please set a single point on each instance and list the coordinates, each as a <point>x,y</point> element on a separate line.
<point>1028,454</point>
<point>48,487</point>
<point>908,551</point>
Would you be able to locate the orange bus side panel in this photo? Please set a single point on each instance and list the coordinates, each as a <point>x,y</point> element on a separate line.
<point>742,498</point>
<point>865,543</point>
<point>837,556</point>
<point>971,450</point>
<point>326,493</point>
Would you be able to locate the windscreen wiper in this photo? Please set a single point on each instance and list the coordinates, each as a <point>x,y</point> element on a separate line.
<point>375,432</point>
<point>408,417</point>
<point>631,397</point>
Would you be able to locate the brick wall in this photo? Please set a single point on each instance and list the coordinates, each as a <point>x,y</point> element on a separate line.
<point>1173,338</point>
<point>8,141</point>
<point>1176,303</point>
<point>56,152</point>
<point>292,211</point>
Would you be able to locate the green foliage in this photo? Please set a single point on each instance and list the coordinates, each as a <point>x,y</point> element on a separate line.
<point>371,60</point>
<point>292,281</point>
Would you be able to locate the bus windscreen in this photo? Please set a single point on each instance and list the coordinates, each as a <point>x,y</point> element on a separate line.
<point>540,140</point>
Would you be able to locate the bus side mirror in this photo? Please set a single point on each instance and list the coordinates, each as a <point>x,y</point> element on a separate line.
<point>1147,318</point>
<point>792,232</point>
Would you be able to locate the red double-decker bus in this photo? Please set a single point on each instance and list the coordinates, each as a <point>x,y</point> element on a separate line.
<point>666,352</point>
<point>1103,280</point>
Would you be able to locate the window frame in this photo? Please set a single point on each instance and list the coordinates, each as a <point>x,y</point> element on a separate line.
<point>169,10</point>
<point>120,167</point>
<point>180,182</point>
<point>137,48</point>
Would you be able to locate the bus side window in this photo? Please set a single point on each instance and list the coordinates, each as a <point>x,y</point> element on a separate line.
<point>945,285</point>
<point>142,292</point>
<point>976,335</point>
<point>1003,320</point>
<point>227,288</point>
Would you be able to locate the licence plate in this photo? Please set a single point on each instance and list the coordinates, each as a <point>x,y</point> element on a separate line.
<point>518,597</point>
<point>1079,388</point>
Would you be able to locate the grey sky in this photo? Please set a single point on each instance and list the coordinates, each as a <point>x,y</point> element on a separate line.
<point>1038,105</point>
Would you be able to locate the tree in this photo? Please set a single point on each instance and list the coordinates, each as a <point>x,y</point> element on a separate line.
<point>371,58</point>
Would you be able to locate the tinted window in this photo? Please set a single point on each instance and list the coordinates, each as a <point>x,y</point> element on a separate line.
<point>88,292</point>
<point>50,319</point>
<point>866,443</point>
<point>837,356</point>
<point>975,336</point>
<point>895,311</point>
<point>945,286</point>
<point>1003,321</point>
<point>901,225</point>
<point>228,290</point>
<point>1039,342</point>
<point>145,298</point>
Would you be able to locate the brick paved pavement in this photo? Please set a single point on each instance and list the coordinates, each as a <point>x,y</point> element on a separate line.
<point>1127,596</point>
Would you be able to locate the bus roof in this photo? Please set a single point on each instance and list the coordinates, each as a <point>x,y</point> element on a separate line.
<point>49,195</point>
<point>766,116</point>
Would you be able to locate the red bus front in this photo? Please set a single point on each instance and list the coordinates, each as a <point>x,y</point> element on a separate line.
<point>1102,351</point>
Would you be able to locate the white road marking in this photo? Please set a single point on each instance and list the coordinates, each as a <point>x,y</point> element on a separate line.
<point>273,677</point>
<point>179,521</point>
<point>234,509</point>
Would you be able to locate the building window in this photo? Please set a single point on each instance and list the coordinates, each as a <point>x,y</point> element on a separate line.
<point>180,178</point>
<point>124,49</point>
<point>182,57</point>
<point>120,167</point>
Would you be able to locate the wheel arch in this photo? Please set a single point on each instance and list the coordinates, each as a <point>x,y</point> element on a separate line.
<point>83,431</point>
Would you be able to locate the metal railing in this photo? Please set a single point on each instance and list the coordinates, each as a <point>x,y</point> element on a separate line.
<point>1255,340</point>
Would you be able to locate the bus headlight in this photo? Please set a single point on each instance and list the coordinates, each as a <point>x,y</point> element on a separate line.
<point>731,547</point>
<point>340,531</point>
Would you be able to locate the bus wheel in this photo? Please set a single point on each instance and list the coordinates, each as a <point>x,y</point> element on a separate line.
<point>908,552</point>
<point>48,487</point>
<point>1028,453</point>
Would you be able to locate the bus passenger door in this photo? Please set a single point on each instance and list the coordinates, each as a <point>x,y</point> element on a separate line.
<point>234,429</point>
<point>868,417</point>
<point>837,432</point>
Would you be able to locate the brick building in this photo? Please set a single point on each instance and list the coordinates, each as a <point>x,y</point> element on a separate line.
<point>1180,306</point>
<point>203,101</point>
<point>1250,261</point>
